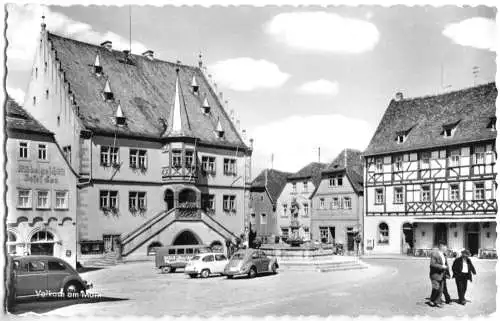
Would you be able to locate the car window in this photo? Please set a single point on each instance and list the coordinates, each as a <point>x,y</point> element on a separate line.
<point>195,258</point>
<point>16,265</point>
<point>56,266</point>
<point>208,258</point>
<point>180,251</point>
<point>238,256</point>
<point>220,257</point>
<point>36,266</point>
<point>171,251</point>
<point>189,251</point>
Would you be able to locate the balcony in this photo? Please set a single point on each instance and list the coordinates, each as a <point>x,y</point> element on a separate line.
<point>453,207</point>
<point>188,212</point>
<point>179,173</point>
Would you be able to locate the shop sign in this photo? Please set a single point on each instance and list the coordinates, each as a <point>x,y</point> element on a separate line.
<point>41,175</point>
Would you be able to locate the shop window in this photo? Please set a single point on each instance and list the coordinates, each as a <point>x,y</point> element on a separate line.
<point>383,233</point>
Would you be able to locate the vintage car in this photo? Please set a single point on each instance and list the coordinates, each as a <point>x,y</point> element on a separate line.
<point>170,258</point>
<point>43,276</point>
<point>206,264</point>
<point>250,262</point>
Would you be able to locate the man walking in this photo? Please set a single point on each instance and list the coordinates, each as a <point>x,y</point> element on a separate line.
<point>438,268</point>
<point>462,272</point>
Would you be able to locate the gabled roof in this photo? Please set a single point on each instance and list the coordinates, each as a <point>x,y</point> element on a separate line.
<point>349,161</point>
<point>471,109</point>
<point>145,89</point>
<point>16,118</point>
<point>276,181</point>
<point>310,171</point>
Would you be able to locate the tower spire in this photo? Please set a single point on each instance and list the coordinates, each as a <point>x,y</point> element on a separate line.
<point>178,128</point>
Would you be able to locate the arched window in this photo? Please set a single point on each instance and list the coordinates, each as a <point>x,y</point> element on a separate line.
<point>383,233</point>
<point>11,243</point>
<point>42,243</point>
<point>152,247</point>
<point>42,236</point>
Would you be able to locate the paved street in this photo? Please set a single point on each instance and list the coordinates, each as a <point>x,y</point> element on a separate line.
<point>386,288</point>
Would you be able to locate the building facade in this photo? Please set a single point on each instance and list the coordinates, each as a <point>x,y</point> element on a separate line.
<point>265,191</point>
<point>337,202</point>
<point>294,203</point>
<point>160,161</point>
<point>430,174</point>
<point>41,194</point>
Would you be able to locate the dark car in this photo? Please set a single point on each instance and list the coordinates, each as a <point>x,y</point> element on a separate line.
<point>250,262</point>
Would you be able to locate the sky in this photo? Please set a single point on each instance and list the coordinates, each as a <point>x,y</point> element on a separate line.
<point>298,79</point>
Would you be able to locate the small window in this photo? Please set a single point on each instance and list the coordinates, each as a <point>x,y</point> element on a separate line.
<point>322,203</point>
<point>454,157</point>
<point>229,167</point>
<point>67,153</point>
<point>479,152</point>
<point>208,258</point>
<point>454,192</point>
<point>306,209</point>
<point>339,180</point>
<point>58,120</point>
<point>294,187</point>
<point>305,186</point>
<point>177,158</point>
<point>379,196</point>
<point>383,232</point>
<point>56,266</point>
<point>284,232</point>
<point>425,160</point>
<point>263,219</point>
<point>426,193</point>
<point>43,200</point>
<point>398,195</point>
<point>229,203</point>
<point>347,203</point>
<point>479,193</point>
<point>61,199</point>
<point>24,198</point>
<point>23,150</point>
<point>379,165</point>
<point>208,165</point>
<point>397,163</point>
<point>492,124</point>
<point>335,203</point>
<point>400,138</point>
<point>42,152</point>
<point>332,181</point>
<point>47,94</point>
<point>138,159</point>
<point>34,100</point>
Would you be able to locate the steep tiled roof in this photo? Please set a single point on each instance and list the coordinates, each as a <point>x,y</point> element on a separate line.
<point>350,161</point>
<point>423,119</point>
<point>145,90</point>
<point>276,181</point>
<point>310,171</point>
<point>16,118</point>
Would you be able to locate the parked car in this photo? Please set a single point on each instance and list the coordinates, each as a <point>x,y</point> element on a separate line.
<point>170,258</point>
<point>41,275</point>
<point>250,262</point>
<point>205,264</point>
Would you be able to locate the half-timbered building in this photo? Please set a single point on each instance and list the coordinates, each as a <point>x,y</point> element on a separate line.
<point>430,174</point>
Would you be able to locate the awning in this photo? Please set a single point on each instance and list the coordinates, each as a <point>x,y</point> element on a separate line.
<point>453,219</point>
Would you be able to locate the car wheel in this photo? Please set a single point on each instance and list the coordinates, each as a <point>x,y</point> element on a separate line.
<point>252,273</point>
<point>72,288</point>
<point>205,273</point>
<point>166,269</point>
<point>274,269</point>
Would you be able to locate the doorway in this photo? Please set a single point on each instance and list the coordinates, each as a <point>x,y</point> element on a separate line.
<point>332,233</point>
<point>169,199</point>
<point>440,234</point>
<point>111,242</point>
<point>408,233</point>
<point>350,241</point>
<point>472,237</point>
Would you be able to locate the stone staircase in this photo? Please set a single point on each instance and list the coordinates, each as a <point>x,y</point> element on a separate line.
<point>324,265</point>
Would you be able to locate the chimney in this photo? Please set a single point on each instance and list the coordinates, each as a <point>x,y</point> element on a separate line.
<point>107,44</point>
<point>149,54</point>
<point>206,106</point>
<point>200,60</point>
<point>244,134</point>
<point>399,96</point>
<point>194,85</point>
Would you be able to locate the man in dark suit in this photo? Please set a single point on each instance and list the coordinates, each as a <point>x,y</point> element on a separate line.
<point>438,267</point>
<point>462,272</point>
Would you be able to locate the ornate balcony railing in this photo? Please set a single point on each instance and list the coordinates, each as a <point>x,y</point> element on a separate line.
<point>188,212</point>
<point>453,207</point>
<point>179,173</point>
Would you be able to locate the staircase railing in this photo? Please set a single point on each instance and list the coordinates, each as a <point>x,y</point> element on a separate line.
<point>131,235</point>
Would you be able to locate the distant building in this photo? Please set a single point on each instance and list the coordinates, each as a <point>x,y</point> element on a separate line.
<point>160,161</point>
<point>430,174</point>
<point>294,204</point>
<point>265,191</point>
<point>41,194</point>
<point>337,202</point>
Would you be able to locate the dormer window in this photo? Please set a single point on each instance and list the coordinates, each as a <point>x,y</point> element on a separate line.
<point>206,106</point>
<point>120,117</point>
<point>400,139</point>
<point>194,85</point>
<point>449,129</point>
<point>492,124</point>
<point>402,135</point>
<point>108,94</point>
<point>219,131</point>
<point>97,66</point>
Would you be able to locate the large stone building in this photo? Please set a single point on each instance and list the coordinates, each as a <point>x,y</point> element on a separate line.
<point>430,174</point>
<point>337,202</point>
<point>294,203</point>
<point>265,190</point>
<point>41,194</point>
<point>159,159</point>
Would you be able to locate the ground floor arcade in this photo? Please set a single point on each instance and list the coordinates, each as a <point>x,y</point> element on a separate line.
<point>418,236</point>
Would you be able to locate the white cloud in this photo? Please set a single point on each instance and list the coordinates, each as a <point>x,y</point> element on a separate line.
<point>23,29</point>
<point>326,32</point>
<point>294,141</point>
<point>246,74</point>
<point>320,87</point>
<point>475,32</point>
<point>17,94</point>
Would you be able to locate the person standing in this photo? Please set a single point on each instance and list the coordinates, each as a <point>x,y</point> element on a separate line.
<point>437,272</point>
<point>447,275</point>
<point>462,272</point>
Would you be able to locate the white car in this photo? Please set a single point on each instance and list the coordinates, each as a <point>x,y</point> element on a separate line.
<point>206,264</point>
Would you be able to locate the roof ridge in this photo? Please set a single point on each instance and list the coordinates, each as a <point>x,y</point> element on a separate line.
<point>447,93</point>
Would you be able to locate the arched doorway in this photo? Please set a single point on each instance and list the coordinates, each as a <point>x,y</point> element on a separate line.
<point>42,243</point>
<point>472,237</point>
<point>408,241</point>
<point>169,199</point>
<point>152,247</point>
<point>440,234</point>
<point>187,195</point>
<point>186,238</point>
